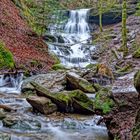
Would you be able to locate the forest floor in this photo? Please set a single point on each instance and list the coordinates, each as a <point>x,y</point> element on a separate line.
<point>121,121</point>
<point>29,50</point>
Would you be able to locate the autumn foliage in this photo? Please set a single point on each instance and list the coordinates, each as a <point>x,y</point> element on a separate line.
<point>25,45</point>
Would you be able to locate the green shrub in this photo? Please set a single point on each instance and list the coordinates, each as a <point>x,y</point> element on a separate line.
<point>6,57</point>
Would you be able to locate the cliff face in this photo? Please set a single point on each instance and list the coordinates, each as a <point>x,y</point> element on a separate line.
<point>28,49</point>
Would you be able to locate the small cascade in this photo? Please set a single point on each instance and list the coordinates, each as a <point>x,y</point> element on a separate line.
<point>72,46</point>
<point>11,83</point>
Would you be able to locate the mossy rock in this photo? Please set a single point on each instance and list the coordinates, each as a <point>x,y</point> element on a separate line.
<point>124,70</point>
<point>92,66</point>
<point>6,57</point>
<point>67,101</point>
<point>75,101</point>
<point>55,58</point>
<point>137,53</point>
<point>58,67</point>
<point>137,81</point>
<point>97,86</point>
<point>2,115</point>
<point>77,82</point>
<point>103,102</point>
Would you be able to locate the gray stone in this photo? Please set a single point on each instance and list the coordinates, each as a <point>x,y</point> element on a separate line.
<point>54,81</point>
<point>42,104</point>
<point>77,82</point>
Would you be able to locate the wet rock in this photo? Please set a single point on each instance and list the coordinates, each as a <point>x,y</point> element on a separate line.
<point>54,81</point>
<point>67,101</point>
<point>76,82</point>
<point>4,136</point>
<point>100,74</point>
<point>50,38</point>
<point>42,104</point>
<point>9,121</point>
<point>2,115</point>
<point>137,81</point>
<point>16,122</point>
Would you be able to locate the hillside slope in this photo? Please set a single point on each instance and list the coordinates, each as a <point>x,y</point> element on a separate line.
<point>28,49</point>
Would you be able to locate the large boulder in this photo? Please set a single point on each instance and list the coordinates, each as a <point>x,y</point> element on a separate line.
<point>42,104</point>
<point>67,101</point>
<point>54,81</point>
<point>137,81</point>
<point>77,82</point>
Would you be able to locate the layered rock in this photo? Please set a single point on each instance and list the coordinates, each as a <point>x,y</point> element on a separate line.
<point>42,105</point>
<point>77,82</point>
<point>54,81</point>
<point>66,101</point>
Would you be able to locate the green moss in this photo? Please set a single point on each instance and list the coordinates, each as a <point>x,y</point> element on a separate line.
<point>35,63</point>
<point>97,87</point>
<point>137,53</point>
<point>91,66</point>
<point>126,69</point>
<point>138,9</point>
<point>58,67</point>
<point>86,86</point>
<point>103,101</point>
<point>55,58</point>
<point>6,57</point>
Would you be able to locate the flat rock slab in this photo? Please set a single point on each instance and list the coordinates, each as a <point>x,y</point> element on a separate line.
<point>54,81</point>
<point>124,84</point>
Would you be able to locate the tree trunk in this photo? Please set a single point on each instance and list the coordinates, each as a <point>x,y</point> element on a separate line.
<point>124,29</point>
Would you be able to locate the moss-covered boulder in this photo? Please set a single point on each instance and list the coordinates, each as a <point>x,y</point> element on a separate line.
<point>6,57</point>
<point>137,81</point>
<point>67,101</point>
<point>103,101</point>
<point>58,67</point>
<point>137,53</point>
<point>77,82</point>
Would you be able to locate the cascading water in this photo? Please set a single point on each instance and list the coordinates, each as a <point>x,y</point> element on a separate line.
<point>11,83</point>
<point>75,49</point>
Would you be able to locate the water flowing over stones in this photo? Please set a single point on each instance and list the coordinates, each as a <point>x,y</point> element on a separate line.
<point>72,42</point>
<point>11,83</point>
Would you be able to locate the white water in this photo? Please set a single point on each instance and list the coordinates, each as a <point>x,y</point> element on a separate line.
<point>74,52</point>
<point>11,83</point>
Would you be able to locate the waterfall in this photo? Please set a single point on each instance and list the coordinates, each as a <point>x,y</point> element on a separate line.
<point>75,49</point>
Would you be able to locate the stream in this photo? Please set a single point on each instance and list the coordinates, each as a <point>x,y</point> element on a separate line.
<point>23,124</point>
